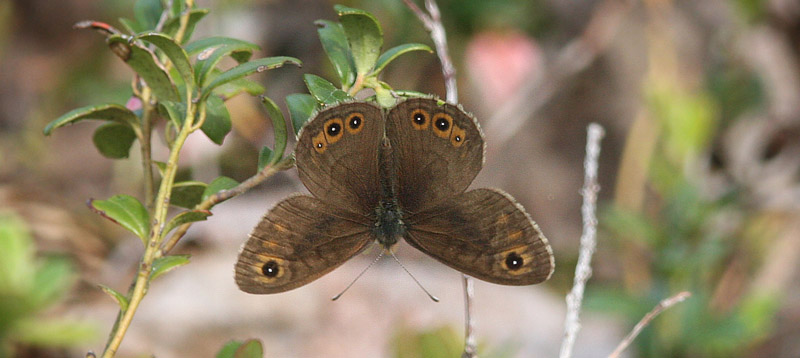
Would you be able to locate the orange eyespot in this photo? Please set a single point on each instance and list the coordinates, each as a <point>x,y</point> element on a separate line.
<point>420,119</point>
<point>457,136</point>
<point>319,143</point>
<point>333,130</point>
<point>442,124</point>
<point>354,122</point>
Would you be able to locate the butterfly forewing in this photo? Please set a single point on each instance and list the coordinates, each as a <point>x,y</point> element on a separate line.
<point>298,241</point>
<point>485,234</point>
<point>337,156</point>
<point>437,148</point>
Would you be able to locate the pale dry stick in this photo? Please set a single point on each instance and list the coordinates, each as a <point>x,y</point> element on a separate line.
<point>660,307</point>
<point>576,56</point>
<point>583,270</point>
<point>433,23</point>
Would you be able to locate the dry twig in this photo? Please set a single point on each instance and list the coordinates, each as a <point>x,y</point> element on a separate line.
<point>660,307</point>
<point>583,269</point>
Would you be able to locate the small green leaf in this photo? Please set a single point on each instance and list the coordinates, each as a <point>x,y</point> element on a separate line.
<point>235,87</point>
<point>162,167</point>
<point>228,349</point>
<point>187,194</point>
<point>301,106</point>
<point>172,25</point>
<point>278,127</point>
<point>105,112</point>
<point>324,91</point>
<point>146,65</point>
<point>251,348</point>
<point>174,52</point>
<point>218,41</point>
<point>364,35</point>
<point>217,185</point>
<point>264,157</point>
<point>51,282</point>
<point>122,301</point>
<point>334,42</point>
<point>114,140</point>
<point>165,264</point>
<point>147,13</point>
<point>218,120</point>
<point>395,52</point>
<point>185,217</point>
<point>246,69</point>
<point>175,111</point>
<point>132,26</point>
<point>126,211</point>
<point>410,94</point>
<point>208,59</point>
<point>384,96</point>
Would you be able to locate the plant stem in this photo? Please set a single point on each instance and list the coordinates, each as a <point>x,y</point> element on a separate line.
<point>223,195</point>
<point>145,147</point>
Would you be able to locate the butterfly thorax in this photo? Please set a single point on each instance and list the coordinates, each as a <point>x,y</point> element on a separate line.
<point>389,225</point>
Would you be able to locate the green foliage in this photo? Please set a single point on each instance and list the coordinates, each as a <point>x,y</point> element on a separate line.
<point>29,285</point>
<point>435,343</point>
<point>250,348</point>
<point>126,211</point>
<point>353,46</point>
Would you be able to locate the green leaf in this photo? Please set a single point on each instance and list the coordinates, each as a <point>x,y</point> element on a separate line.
<point>218,41</point>
<point>187,194</point>
<point>217,185</point>
<point>162,167</point>
<point>384,96</point>
<point>364,35</point>
<point>165,264</point>
<point>246,69</point>
<point>121,300</point>
<point>395,52</point>
<point>54,332</point>
<point>175,111</point>
<point>324,91</point>
<point>334,42</point>
<point>278,127</point>
<point>104,112</point>
<point>126,211</point>
<point>228,349</point>
<point>51,282</point>
<point>235,87</point>
<point>132,26</point>
<point>217,124</point>
<point>114,140</point>
<point>172,25</point>
<point>301,106</point>
<point>176,54</point>
<point>264,157</point>
<point>410,94</point>
<point>16,254</point>
<point>208,59</point>
<point>185,217</point>
<point>146,65</point>
<point>251,348</point>
<point>147,13</point>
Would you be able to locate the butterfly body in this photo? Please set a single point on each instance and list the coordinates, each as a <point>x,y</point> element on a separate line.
<point>381,176</point>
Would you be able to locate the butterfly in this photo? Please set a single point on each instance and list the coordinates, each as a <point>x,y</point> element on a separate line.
<point>380,176</point>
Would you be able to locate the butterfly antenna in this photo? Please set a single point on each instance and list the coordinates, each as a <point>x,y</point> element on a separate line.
<point>434,298</point>
<point>357,277</point>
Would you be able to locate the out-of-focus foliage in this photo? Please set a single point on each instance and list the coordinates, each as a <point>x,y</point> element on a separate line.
<point>28,286</point>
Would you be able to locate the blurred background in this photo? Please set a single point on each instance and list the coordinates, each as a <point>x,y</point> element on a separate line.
<point>700,177</point>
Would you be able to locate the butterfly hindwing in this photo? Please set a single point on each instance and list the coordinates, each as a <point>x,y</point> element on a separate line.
<point>298,241</point>
<point>484,233</point>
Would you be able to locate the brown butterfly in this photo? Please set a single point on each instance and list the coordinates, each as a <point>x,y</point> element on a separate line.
<point>381,176</point>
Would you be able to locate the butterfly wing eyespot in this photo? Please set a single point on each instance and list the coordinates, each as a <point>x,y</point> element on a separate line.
<point>333,130</point>
<point>420,119</point>
<point>457,136</point>
<point>442,125</point>
<point>319,143</point>
<point>271,269</point>
<point>354,122</point>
